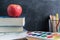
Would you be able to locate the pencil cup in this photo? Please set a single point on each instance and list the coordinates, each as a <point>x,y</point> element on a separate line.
<point>54,26</point>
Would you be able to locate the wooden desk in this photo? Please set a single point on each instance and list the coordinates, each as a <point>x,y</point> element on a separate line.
<point>30,38</point>
<point>21,39</point>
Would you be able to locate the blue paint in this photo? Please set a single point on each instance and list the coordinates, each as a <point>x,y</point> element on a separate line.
<point>43,32</point>
<point>38,34</point>
<point>34,34</point>
<point>49,33</point>
<point>44,35</point>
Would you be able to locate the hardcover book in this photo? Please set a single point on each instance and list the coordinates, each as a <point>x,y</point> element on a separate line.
<point>12,24</point>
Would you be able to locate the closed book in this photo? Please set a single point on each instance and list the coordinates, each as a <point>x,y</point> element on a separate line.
<point>12,24</point>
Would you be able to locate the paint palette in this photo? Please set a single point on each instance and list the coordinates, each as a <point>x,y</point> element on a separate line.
<point>44,35</point>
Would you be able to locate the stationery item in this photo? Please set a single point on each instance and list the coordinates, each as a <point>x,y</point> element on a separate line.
<point>41,35</point>
<point>44,35</point>
<point>57,18</point>
<point>58,26</point>
<point>52,23</point>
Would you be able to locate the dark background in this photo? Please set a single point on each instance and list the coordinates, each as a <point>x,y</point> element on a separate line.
<point>36,12</point>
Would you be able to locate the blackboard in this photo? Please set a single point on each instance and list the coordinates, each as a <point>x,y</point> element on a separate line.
<point>36,12</point>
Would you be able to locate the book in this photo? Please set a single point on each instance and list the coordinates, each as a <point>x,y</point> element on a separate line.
<point>12,24</point>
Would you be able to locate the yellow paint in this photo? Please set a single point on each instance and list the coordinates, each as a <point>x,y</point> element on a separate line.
<point>56,37</point>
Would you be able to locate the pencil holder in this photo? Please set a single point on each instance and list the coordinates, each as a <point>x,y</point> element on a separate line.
<point>54,25</point>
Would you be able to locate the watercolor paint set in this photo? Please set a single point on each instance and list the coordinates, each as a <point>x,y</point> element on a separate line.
<point>44,35</point>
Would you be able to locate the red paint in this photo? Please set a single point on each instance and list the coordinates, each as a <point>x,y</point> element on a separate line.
<point>49,36</point>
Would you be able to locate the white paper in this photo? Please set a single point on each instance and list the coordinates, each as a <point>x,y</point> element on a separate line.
<point>11,36</point>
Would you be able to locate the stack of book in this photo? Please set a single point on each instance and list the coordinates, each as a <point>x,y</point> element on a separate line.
<point>12,24</point>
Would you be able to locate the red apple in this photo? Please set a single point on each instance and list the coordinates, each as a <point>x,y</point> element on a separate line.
<point>14,10</point>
